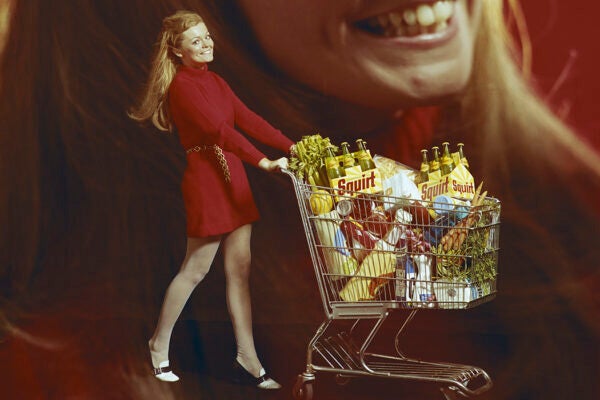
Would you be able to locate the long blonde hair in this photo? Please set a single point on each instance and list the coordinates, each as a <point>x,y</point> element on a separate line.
<point>501,102</point>
<point>153,105</point>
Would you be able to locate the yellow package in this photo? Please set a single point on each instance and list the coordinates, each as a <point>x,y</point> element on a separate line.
<point>357,181</point>
<point>459,184</point>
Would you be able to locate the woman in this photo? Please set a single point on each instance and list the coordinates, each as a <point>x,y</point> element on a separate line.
<point>183,94</point>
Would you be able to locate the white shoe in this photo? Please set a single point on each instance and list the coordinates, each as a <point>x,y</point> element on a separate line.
<point>242,376</point>
<point>265,382</point>
<point>164,373</point>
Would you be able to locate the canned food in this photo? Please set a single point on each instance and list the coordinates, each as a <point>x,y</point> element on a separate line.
<point>344,207</point>
<point>363,207</point>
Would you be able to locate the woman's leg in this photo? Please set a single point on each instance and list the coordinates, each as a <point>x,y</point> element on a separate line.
<point>236,252</point>
<point>198,259</point>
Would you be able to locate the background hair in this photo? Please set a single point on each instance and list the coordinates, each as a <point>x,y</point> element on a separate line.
<point>86,196</point>
<point>501,100</point>
<point>164,66</point>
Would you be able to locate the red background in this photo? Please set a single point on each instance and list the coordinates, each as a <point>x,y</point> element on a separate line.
<point>557,29</point>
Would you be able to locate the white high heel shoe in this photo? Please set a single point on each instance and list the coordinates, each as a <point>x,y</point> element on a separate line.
<point>242,376</point>
<point>164,373</point>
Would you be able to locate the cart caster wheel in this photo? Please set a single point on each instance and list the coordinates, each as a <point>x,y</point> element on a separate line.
<point>302,390</point>
<point>450,393</point>
<point>341,380</point>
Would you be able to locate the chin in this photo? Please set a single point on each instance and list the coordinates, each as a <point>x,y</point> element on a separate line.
<point>418,90</point>
<point>433,89</point>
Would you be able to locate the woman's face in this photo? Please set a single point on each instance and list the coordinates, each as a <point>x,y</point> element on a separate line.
<point>196,48</point>
<point>385,54</point>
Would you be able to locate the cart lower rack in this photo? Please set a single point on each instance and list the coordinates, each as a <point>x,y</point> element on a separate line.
<point>375,254</point>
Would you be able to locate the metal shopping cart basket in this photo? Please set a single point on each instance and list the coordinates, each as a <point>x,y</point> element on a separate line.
<point>373,254</point>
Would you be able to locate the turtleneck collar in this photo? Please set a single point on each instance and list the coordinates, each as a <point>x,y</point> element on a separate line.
<point>194,71</point>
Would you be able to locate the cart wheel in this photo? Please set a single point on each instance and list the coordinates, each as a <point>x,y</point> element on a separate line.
<point>302,390</point>
<point>341,380</point>
<point>450,393</point>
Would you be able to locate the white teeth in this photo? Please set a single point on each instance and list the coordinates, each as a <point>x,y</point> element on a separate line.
<point>441,26</point>
<point>443,10</point>
<point>425,15</point>
<point>424,19</point>
<point>410,17</point>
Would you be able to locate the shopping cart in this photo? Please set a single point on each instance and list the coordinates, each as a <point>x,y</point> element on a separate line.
<point>399,263</point>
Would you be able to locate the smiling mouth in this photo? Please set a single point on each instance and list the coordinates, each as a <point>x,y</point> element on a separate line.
<point>410,20</point>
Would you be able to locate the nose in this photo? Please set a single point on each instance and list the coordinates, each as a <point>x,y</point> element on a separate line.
<point>207,43</point>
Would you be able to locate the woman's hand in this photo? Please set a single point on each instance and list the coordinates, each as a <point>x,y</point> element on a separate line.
<point>273,165</point>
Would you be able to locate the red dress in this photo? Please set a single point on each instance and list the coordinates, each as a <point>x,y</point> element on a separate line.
<point>206,113</point>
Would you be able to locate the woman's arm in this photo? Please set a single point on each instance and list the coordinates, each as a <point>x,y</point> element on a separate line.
<point>255,126</point>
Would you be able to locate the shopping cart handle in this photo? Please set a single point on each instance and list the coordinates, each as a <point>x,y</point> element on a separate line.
<point>287,172</point>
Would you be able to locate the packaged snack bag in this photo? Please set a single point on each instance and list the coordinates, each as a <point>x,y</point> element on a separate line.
<point>398,180</point>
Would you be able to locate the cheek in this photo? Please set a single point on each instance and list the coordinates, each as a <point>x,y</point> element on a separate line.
<point>286,30</point>
<point>300,45</point>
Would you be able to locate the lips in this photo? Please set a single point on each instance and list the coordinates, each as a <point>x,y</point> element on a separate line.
<point>411,20</point>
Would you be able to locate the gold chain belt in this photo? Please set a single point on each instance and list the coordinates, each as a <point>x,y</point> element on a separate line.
<point>218,153</point>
